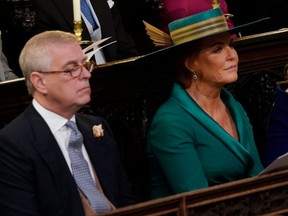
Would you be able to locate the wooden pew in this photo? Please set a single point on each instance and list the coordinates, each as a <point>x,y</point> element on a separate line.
<point>261,195</point>
<point>14,99</point>
<point>265,51</point>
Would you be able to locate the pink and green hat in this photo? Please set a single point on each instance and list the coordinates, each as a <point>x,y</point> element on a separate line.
<point>194,27</point>
<point>197,26</point>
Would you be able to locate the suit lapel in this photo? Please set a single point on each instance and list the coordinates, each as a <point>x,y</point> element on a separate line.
<point>47,147</point>
<point>97,151</point>
<point>103,13</point>
<point>94,146</point>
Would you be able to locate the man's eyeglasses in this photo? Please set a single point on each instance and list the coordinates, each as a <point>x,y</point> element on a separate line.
<point>77,70</point>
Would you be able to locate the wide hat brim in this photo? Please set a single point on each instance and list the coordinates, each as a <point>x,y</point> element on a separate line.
<point>167,55</point>
<point>174,49</point>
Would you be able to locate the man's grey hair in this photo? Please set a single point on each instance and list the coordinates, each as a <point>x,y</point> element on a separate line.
<point>36,54</point>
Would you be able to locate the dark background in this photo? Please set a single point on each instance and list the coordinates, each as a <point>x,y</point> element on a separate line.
<point>134,11</point>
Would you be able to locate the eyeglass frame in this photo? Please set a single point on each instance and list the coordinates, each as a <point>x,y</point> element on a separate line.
<point>89,66</point>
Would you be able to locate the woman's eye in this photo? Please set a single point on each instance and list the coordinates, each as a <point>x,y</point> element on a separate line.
<point>218,49</point>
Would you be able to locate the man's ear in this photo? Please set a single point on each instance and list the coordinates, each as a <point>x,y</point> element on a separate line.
<point>38,81</point>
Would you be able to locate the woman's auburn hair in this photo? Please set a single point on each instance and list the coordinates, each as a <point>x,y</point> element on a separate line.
<point>184,74</point>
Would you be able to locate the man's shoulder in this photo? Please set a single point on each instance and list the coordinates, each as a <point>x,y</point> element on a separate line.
<point>19,130</point>
<point>89,119</point>
<point>21,122</point>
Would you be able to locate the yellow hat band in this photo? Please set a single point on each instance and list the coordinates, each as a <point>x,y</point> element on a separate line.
<point>196,27</point>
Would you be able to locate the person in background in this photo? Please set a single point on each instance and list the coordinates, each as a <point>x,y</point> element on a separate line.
<point>277,126</point>
<point>41,149</point>
<point>58,15</point>
<point>201,136</point>
<point>6,73</point>
<point>173,10</point>
<point>16,20</point>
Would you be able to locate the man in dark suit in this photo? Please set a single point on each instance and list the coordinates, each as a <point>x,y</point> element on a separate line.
<point>36,171</point>
<point>58,15</point>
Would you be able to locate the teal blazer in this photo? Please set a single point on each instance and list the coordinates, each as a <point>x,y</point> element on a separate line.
<point>188,150</point>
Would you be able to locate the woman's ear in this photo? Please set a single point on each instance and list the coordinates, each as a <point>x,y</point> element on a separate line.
<point>189,63</point>
<point>38,81</point>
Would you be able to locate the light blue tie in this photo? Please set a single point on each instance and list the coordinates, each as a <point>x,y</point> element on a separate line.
<point>81,173</point>
<point>88,14</point>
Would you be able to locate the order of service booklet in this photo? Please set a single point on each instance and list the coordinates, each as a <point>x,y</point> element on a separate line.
<point>280,163</point>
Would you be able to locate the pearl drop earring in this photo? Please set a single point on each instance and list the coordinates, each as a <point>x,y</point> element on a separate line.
<point>195,77</point>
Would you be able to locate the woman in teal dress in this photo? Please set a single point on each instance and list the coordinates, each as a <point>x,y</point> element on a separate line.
<point>201,136</point>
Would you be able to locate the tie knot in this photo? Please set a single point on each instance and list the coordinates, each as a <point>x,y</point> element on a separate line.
<point>76,138</point>
<point>72,125</point>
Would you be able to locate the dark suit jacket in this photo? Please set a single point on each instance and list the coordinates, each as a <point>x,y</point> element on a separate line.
<point>58,15</point>
<point>276,142</point>
<point>35,178</point>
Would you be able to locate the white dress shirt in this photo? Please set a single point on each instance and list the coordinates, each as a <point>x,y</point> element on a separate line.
<point>56,123</point>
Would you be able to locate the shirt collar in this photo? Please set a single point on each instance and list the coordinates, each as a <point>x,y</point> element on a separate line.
<point>54,121</point>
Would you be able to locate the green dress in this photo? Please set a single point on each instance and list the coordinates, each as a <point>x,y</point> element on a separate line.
<point>188,150</point>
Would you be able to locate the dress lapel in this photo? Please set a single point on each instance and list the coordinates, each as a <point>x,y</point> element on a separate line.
<point>191,107</point>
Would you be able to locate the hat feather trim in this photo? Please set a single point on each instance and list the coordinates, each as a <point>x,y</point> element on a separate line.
<point>159,37</point>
